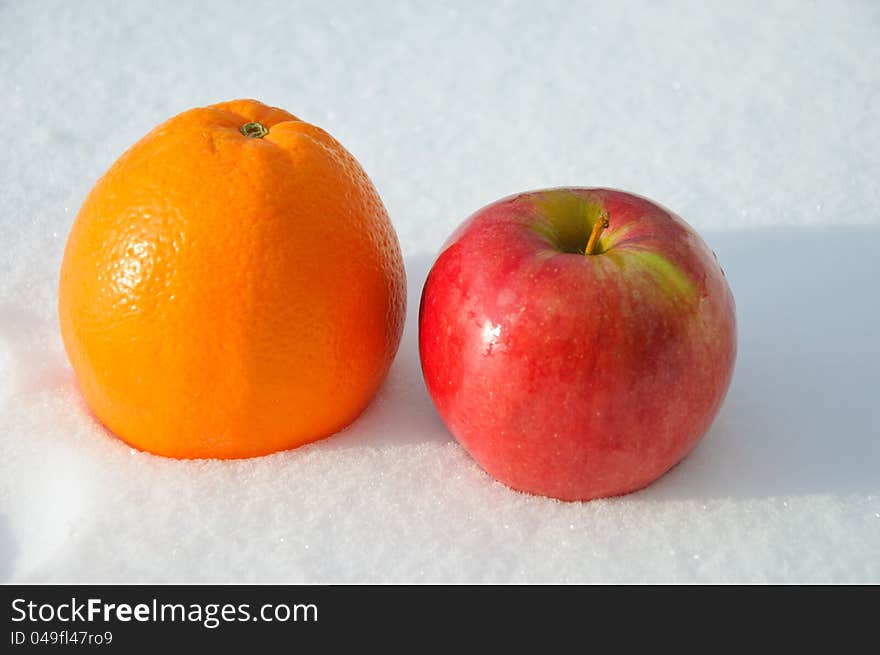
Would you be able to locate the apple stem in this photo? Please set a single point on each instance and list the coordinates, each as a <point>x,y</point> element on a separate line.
<point>600,224</point>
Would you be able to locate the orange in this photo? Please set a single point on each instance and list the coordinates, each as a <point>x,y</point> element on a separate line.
<point>231,287</point>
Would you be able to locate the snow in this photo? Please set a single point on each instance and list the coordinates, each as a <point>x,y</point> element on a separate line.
<point>754,121</point>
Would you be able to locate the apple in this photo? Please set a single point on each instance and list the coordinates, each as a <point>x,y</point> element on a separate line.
<point>577,342</point>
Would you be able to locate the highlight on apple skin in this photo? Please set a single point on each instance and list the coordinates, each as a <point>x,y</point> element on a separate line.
<point>577,342</point>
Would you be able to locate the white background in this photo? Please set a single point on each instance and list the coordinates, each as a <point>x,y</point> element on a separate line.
<point>759,123</point>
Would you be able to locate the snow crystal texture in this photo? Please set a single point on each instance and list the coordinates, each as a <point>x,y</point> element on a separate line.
<point>756,121</point>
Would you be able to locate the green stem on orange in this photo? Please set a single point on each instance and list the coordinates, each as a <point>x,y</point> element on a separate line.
<point>600,224</point>
<point>254,130</point>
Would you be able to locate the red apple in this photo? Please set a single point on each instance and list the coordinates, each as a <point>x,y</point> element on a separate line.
<point>577,342</point>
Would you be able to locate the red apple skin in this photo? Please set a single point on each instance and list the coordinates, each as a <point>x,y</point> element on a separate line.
<point>569,375</point>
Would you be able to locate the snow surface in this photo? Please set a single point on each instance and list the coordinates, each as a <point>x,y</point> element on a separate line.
<point>757,122</point>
